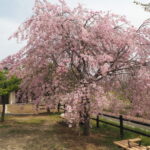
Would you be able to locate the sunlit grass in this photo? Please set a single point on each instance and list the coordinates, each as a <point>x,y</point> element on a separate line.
<point>127,134</point>
<point>47,132</point>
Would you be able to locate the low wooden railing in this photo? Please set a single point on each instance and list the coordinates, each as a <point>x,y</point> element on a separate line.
<point>121,119</point>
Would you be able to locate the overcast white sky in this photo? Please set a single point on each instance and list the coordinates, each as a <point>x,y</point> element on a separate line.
<point>14,12</point>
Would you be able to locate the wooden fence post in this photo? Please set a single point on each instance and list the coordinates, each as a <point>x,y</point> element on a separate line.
<point>121,127</point>
<point>97,121</point>
<point>64,108</point>
<point>58,107</point>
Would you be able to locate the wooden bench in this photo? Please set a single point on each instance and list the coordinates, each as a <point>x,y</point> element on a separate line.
<point>131,144</point>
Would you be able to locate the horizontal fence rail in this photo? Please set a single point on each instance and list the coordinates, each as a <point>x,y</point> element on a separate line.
<point>125,119</point>
<point>120,119</point>
<point>105,122</point>
<point>137,122</point>
<point>121,124</point>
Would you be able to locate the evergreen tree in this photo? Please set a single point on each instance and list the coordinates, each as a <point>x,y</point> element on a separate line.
<point>7,85</point>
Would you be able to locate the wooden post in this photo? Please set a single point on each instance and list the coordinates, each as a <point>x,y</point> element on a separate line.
<point>97,121</point>
<point>48,110</point>
<point>121,127</point>
<point>58,108</point>
<point>64,108</point>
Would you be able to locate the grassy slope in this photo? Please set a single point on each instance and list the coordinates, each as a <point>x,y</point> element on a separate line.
<point>47,133</point>
<point>127,134</point>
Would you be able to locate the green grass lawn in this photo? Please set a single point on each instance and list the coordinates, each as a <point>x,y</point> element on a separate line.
<point>46,132</point>
<point>127,134</point>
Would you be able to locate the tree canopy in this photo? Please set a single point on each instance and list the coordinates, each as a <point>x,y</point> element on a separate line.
<point>94,47</point>
<point>8,84</point>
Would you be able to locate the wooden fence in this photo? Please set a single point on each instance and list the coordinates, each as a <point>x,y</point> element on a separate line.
<point>121,121</point>
<point>121,125</point>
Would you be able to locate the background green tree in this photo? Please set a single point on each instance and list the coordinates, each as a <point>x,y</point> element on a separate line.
<point>7,85</point>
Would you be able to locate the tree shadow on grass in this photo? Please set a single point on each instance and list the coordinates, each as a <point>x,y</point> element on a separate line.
<point>60,137</point>
<point>46,132</point>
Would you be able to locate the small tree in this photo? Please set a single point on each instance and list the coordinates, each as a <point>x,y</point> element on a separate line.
<point>7,85</point>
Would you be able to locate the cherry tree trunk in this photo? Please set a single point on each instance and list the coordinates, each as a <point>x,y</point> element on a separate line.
<point>86,129</point>
<point>86,116</point>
